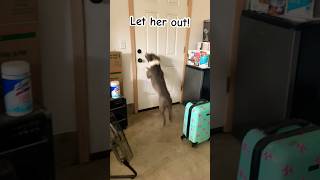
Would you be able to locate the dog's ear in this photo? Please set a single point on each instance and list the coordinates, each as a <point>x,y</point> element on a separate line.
<point>156,57</point>
<point>148,56</point>
<point>151,56</point>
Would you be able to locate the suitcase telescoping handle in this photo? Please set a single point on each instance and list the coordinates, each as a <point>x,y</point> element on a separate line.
<point>293,122</point>
<point>200,101</point>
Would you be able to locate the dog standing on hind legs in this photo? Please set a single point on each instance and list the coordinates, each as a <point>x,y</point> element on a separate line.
<point>155,74</point>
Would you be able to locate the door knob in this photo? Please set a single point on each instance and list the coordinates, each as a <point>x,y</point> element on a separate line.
<point>140,60</point>
<point>139,51</point>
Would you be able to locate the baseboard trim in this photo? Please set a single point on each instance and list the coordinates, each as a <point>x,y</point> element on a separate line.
<point>156,107</point>
<point>130,108</point>
<point>65,149</point>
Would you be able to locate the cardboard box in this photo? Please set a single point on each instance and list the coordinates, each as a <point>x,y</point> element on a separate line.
<point>303,8</point>
<point>18,11</point>
<point>115,62</point>
<point>21,42</point>
<point>117,77</point>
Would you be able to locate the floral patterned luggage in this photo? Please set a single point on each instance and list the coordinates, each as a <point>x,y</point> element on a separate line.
<point>196,125</point>
<point>286,151</point>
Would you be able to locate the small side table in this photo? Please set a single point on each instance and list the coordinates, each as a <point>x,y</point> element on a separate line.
<point>196,84</point>
<point>118,107</point>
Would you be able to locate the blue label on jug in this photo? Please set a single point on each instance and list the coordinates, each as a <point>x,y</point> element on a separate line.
<point>115,91</point>
<point>9,85</point>
<point>17,95</point>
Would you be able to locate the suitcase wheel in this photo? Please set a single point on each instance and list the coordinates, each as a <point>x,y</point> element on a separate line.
<point>194,144</point>
<point>182,137</point>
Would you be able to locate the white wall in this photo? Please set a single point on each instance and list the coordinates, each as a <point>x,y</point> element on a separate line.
<point>200,12</point>
<point>57,63</point>
<point>120,32</point>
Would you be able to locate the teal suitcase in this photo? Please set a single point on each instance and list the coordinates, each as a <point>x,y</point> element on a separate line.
<point>196,124</point>
<point>286,151</point>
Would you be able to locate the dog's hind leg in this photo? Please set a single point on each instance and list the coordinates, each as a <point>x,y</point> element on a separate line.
<point>162,111</point>
<point>170,112</point>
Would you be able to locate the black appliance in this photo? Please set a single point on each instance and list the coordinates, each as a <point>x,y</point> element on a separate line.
<point>26,149</point>
<point>277,71</point>
<point>118,107</point>
<point>196,84</point>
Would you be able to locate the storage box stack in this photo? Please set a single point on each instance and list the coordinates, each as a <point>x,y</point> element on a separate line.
<point>199,58</point>
<point>259,5</point>
<point>306,9</point>
<point>116,68</point>
<point>303,8</point>
<point>19,40</point>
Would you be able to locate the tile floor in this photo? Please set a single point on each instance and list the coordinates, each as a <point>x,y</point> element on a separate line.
<point>159,153</point>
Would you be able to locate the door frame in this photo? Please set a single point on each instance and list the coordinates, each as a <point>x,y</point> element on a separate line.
<point>80,79</point>
<point>134,60</point>
<point>240,5</point>
<point>186,47</point>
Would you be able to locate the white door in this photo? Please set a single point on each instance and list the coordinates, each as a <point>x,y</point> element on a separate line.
<point>167,42</point>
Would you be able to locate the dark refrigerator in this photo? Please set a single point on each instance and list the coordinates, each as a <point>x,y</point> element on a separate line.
<point>278,71</point>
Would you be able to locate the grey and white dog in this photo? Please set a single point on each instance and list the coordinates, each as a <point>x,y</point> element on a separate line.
<point>155,74</point>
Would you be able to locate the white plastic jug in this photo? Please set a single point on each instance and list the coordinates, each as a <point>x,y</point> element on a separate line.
<point>115,89</point>
<point>16,85</point>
